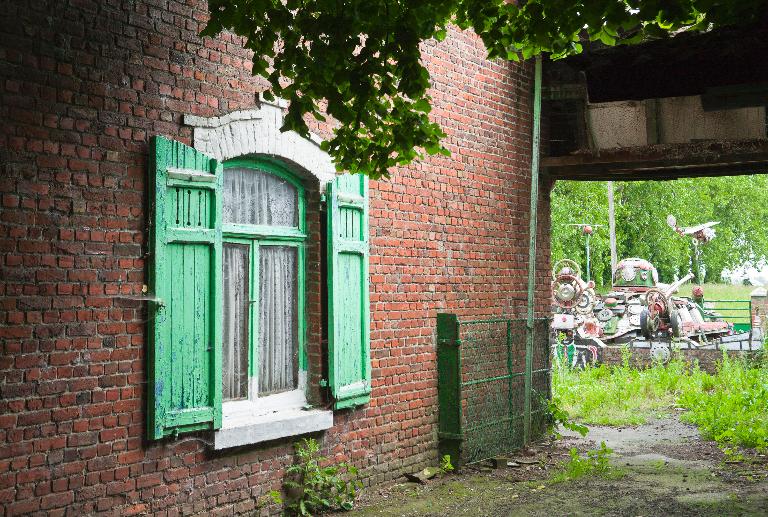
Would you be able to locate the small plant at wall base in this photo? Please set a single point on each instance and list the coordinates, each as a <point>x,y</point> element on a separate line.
<point>596,462</point>
<point>558,417</point>
<point>445,464</point>
<point>312,488</point>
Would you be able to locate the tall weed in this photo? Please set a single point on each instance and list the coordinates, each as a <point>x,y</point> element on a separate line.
<point>733,409</point>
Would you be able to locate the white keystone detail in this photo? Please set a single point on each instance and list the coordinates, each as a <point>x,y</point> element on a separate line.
<point>257,132</point>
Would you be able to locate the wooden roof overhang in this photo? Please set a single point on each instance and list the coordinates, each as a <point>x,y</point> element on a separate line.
<point>726,67</point>
<point>661,162</point>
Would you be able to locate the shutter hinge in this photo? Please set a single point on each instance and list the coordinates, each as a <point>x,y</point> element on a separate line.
<point>323,383</point>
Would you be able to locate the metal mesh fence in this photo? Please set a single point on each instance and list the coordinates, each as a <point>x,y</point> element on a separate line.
<point>490,386</point>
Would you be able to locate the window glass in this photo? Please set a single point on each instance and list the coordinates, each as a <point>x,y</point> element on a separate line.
<point>278,323</point>
<point>234,359</point>
<point>252,196</point>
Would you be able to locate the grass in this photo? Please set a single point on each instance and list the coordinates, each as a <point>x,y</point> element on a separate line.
<point>721,291</point>
<point>730,406</point>
<point>733,312</point>
<point>620,395</point>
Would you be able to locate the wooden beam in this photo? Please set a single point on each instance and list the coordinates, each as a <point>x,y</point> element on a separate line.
<point>662,161</point>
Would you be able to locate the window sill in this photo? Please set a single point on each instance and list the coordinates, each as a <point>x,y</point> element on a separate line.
<point>237,431</point>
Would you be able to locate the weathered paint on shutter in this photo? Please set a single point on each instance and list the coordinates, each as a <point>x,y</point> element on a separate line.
<point>185,321</point>
<point>348,305</point>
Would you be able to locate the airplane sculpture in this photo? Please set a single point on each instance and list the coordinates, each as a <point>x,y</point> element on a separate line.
<point>700,232</point>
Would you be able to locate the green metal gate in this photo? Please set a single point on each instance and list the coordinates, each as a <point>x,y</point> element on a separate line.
<point>738,312</point>
<point>481,385</point>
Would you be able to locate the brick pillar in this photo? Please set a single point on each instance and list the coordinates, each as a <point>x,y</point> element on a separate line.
<point>760,308</point>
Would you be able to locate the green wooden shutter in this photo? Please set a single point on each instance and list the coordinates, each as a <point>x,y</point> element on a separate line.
<point>348,307</point>
<point>185,320</point>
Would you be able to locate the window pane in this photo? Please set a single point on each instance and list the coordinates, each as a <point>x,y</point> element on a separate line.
<point>278,322</point>
<point>234,358</point>
<point>256,197</point>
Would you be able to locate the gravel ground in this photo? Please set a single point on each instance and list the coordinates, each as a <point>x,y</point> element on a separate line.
<point>668,470</point>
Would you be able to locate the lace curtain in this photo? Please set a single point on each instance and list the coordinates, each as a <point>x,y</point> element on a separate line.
<point>256,197</point>
<point>278,343</point>
<point>234,360</point>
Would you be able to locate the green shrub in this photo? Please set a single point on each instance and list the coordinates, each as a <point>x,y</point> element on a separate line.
<point>445,464</point>
<point>557,417</point>
<point>733,408</point>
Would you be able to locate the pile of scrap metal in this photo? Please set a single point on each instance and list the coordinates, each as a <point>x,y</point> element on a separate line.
<point>639,311</point>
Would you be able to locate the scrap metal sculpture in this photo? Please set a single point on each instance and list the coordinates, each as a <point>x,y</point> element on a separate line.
<point>638,311</point>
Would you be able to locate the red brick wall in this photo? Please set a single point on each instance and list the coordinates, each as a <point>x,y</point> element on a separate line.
<point>83,86</point>
<point>706,358</point>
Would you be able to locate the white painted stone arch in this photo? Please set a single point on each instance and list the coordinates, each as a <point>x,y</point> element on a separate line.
<point>257,132</point>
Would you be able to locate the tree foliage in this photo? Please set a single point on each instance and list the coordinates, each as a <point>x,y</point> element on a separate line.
<point>359,61</point>
<point>641,231</point>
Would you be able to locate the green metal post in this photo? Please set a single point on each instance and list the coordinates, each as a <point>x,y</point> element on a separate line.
<point>449,435</point>
<point>510,383</point>
<point>695,262</point>
<point>588,258</point>
<point>536,142</point>
<point>751,322</point>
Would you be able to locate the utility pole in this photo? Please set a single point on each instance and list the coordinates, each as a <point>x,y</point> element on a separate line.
<point>612,227</point>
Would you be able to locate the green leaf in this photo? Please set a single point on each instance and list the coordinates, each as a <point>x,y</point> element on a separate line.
<point>422,105</point>
<point>276,497</point>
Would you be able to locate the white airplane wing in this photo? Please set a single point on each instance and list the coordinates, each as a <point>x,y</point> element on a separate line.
<point>690,230</point>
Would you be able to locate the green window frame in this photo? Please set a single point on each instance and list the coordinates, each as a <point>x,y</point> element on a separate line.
<point>186,330</point>
<point>260,236</point>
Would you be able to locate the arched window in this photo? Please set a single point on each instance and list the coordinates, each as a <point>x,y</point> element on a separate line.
<point>264,230</point>
<point>227,336</point>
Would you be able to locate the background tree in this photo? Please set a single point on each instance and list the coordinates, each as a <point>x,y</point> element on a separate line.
<point>361,59</point>
<point>641,209</point>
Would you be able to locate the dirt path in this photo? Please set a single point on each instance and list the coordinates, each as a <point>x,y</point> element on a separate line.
<point>668,470</point>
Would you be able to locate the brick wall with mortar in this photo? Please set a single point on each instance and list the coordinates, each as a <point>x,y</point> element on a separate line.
<point>84,85</point>
<point>706,358</point>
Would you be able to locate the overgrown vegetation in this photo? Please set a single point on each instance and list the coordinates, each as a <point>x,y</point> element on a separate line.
<point>557,417</point>
<point>596,462</point>
<point>734,408</point>
<point>728,406</point>
<point>312,486</point>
